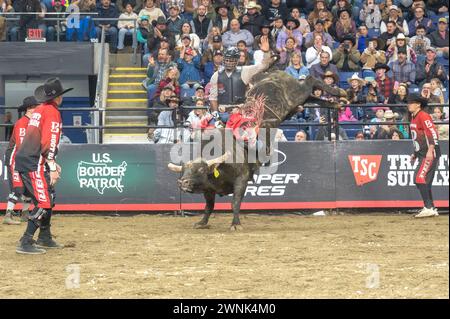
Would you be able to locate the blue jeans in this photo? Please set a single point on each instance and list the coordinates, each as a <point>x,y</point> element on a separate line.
<point>112,34</point>
<point>151,90</point>
<point>51,33</point>
<point>122,33</point>
<point>14,34</point>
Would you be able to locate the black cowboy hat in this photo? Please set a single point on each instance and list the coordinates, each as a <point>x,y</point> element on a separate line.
<point>28,102</point>
<point>173,98</point>
<point>291,19</point>
<point>344,10</point>
<point>51,89</point>
<point>349,37</point>
<point>265,24</point>
<point>381,66</point>
<point>417,98</point>
<point>380,42</point>
<point>222,4</point>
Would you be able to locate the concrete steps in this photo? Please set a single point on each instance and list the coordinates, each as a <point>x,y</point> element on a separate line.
<point>125,91</point>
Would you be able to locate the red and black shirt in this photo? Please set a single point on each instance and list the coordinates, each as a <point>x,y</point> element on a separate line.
<point>16,139</point>
<point>41,138</point>
<point>424,133</point>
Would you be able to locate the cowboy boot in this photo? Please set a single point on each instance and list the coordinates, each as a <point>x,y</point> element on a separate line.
<point>26,246</point>
<point>45,239</point>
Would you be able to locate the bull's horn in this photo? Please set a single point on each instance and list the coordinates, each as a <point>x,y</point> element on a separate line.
<point>175,168</point>
<point>219,159</point>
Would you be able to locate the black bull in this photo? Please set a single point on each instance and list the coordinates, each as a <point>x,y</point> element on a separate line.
<point>224,175</point>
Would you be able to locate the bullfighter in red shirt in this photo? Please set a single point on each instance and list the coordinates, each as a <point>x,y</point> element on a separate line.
<point>35,161</point>
<point>17,191</point>
<point>426,151</point>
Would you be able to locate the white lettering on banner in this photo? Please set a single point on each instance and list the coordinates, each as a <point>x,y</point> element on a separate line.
<point>277,184</point>
<point>99,175</point>
<point>401,171</point>
<point>365,168</point>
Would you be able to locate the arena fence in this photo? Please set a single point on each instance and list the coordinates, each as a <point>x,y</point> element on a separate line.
<point>310,175</point>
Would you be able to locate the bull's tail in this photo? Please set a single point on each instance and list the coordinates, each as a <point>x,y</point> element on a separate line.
<point>324,87</point>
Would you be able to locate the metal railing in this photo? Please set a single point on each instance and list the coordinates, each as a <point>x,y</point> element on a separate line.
<point>331,123</point>
<point>68,15</point>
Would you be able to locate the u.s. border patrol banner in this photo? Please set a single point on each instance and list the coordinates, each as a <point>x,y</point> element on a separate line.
<point>316,175</point>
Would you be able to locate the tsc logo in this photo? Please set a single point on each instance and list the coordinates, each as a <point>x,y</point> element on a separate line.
<point>365,168</point>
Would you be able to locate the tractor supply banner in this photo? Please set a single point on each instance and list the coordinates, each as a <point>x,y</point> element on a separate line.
<point>317,175</point>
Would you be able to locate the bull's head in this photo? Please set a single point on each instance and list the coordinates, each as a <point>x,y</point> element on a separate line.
<point>196,173</point>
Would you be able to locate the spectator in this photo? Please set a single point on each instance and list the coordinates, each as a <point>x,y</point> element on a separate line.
<point>362,36</point>
<point>244,56</point>
<point>301,136</point>
<point>210,11</point>
<point>143,33</point>
<point>318,29</point>
<point>429,68</point>
<point>385,131</point>
<point>189,66</point>
<point>55,26</point>
<point>372,55</point>
<point>213,66</point>
<point>384,7</point>
<point>371,94</point>
<point>275,9</point>
<point>339,6</point>
<point>135,4</point>
<point>186,31</point>
<point>313,54</point>
<point>253,19</point>
<point>189,7</point>
<point>160,102</point>
<point>174,21</point>
<point>288,50</point>
<point>426,92</point>
<point>215,46</point>
<point>151,11</point>
<point>328,20</point>
<point>438,6</point>
<point>370,14</point>
<point>391,32</point>
<point>318,69</point>
<point>346,56</point>
<point>168,118</point>
<point>242,47</point>
<point>323,133</point>
<point>127,27</point>
<point>291,31</point>
<point>345,114</point>
<point>265,30</point>
<point>170,78</point>
<point>160,33</point>
<point>400,43</point>
<point>331,79</point>
<point>395,134</point>
<point>314,15</point>
<point>155,72</point>
<point>420,19</point>
<point>395,15</point>
<point>193,122</point>
<point>403,70</point>
<point>28,21</point>
<point>235,34</point>
<point>379,115</point>
<point>439,38</point>
<point>106,10</point>
<point>399,96</point>
<point>208,42</point>
<point>385,83</point>
<point>419,43</point>
<point>4,7</point>
<point>436,89</point>
<point>345,26</point>
<point>296,69</point>
<point>278,27</point>
<point>201,23</point>
<point>86,29</point>
<point>304,27</point>
<point>360,136</point>
<point>279,136</point>
<point>8,129</point>
<point>355,92</point>
<point>223,18</point>
<point>439,116</point>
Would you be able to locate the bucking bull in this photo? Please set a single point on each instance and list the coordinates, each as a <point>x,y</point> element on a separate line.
<point>281,95</point>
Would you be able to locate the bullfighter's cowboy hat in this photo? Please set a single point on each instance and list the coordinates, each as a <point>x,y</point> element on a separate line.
<point>28,102</point>
<point>51,89</point>
<point>417,98</point>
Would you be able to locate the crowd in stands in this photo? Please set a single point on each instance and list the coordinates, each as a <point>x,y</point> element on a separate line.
<point>376,50</point>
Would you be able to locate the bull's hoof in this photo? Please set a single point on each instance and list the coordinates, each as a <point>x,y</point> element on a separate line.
<point>201,226</point>
<point>236,228</point>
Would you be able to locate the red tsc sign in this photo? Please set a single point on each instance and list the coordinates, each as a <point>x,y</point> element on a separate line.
<point>365,168</point>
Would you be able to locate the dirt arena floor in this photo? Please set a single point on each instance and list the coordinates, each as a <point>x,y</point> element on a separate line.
<point>287,256</point>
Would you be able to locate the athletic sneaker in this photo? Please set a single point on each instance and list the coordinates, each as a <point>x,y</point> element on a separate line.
<point>10,219</point>
<point>427,212</point>
<point>27,247</point>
